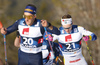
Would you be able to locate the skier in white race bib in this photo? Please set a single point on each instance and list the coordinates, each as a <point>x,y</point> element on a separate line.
<point>47,55</point>
<point>70,41</point>
<point>31,31</point>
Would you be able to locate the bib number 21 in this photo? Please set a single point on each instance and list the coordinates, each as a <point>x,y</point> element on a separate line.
<point>70,45</point>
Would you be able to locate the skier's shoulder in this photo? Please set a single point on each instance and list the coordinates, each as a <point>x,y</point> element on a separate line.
<point>77,26</point>
<point>61,28</point>
<point>20,21</point>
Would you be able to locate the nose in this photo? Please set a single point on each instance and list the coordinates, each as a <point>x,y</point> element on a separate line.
<point>26,19</point>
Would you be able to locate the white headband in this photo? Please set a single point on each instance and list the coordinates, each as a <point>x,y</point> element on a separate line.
<point>66,21</point>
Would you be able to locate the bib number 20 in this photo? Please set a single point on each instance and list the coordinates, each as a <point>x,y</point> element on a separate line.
<point>28,41</point>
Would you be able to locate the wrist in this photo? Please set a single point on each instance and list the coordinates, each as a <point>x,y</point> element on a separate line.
<point>90,37</point>
<point>48,24</point>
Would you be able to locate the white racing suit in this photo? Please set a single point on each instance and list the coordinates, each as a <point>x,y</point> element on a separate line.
<point>70,44</point>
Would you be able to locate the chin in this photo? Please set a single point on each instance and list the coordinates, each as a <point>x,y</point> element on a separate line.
<point>68,32</point>
<point>27,24</point>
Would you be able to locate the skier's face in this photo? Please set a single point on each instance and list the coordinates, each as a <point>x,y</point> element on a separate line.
<point>29,18</point>
<point>67,28</point>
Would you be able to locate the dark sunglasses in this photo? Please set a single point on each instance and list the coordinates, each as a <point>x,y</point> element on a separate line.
<point>68,27</point>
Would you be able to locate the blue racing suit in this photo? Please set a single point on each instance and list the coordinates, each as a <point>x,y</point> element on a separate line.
<point>31,41</point>
<point>46,50</point>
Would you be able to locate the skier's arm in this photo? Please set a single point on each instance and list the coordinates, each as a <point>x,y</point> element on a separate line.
<point>85,32</point>
<point>12,28</point>
<point>50,28</point>
<point>17,40</point>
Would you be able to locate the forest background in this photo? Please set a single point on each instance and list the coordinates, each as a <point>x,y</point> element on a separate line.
<point>85,13</point>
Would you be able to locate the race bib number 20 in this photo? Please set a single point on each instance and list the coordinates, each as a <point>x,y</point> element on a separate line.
<point>28,41</point>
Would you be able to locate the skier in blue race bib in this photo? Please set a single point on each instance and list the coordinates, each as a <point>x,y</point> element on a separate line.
<point>31,31</point>
<point>70,41</point>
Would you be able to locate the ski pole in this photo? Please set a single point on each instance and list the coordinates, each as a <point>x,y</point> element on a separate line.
<point>51,46</point>
<point>59,60</point>
<point>48,40</point>
<point>5,49</point>
<point>4,44</point>
<point>89,52</point>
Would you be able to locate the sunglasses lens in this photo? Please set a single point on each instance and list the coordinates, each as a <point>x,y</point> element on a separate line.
<point>28,17</point>
<point>68,27</point>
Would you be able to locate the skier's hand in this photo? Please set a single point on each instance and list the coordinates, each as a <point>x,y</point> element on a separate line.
<point>44,23</point>
<point>50,37</point>
<point>3,30</point>
<point>86,38</point>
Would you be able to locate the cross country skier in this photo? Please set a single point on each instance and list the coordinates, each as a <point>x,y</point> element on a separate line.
<point>70,41</point>
<point>31,31</point>
<point>48,56</point>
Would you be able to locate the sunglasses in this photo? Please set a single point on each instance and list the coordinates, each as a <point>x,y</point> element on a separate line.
<point>28,16</point>
<point>68,27</point>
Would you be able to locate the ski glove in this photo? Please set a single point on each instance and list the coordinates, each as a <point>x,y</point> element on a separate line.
<point>50,38</point>
<point>86,38</point>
